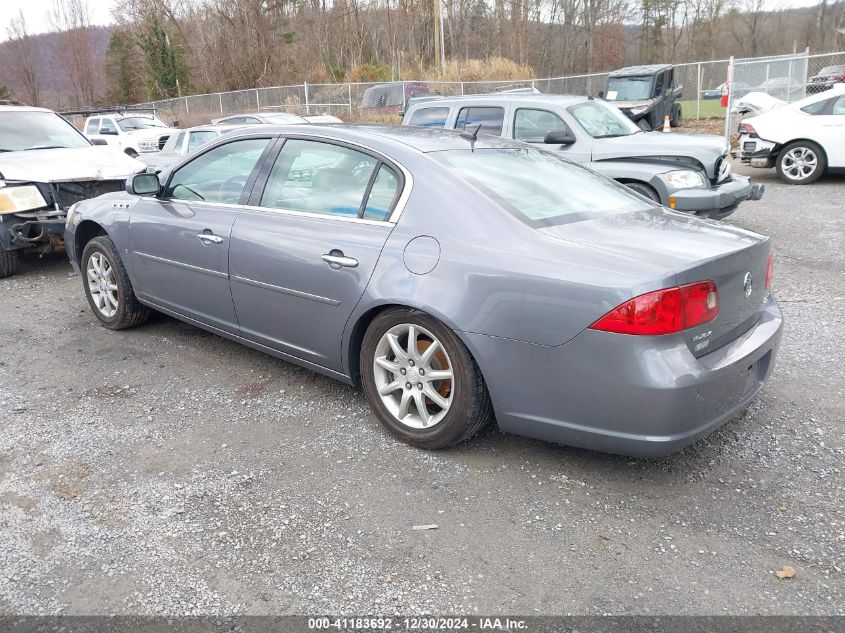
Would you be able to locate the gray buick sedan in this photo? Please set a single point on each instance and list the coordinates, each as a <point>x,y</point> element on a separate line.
<point>454,278</point>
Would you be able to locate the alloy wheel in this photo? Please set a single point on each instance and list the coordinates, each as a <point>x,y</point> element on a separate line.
<point>413,376</point>
<point>102,284</point>
<point>799,163</point>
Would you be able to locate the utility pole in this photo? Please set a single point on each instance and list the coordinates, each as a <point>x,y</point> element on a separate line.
<point>438,62</point>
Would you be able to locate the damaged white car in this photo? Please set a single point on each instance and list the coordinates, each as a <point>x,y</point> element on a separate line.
<point>46,166</point>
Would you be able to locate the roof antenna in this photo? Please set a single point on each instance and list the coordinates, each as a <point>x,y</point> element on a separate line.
<point>471,136</point>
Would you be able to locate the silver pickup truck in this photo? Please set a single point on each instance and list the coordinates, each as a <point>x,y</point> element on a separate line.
<point>687,172</point>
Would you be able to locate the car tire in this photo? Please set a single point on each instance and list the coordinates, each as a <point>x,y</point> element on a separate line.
<point>676,117</point>
<point>8,262</point>
<point>386,363</point>
<point>644,190</point>
<point>794,159</point>
<point>107,286</point>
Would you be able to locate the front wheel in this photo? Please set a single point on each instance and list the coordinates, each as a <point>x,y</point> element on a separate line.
<point>421,380</point>
<point>108,288</point>
<point>801,163</point>
<point>644,190</point>
<point>8,262</point>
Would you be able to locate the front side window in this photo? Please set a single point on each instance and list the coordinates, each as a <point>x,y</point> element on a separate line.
<point>541,188</point>
<point>490,119</point>
<point>218,175</point>
<point>93,126</point>
<point>429,117</point>
<point>602,120</point>
<point>317,177</point>
<point>532,126</point>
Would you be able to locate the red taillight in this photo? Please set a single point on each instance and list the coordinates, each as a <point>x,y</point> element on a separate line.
<point>663,311</point>
<point>770,265</point>
<point>701,303</point>
<point>747,128</point>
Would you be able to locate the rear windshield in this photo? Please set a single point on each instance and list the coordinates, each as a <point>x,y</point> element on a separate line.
<point>539,187</point>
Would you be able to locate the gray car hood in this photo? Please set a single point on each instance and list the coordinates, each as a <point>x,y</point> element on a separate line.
<point>703,148</point>
<point>68,164</point>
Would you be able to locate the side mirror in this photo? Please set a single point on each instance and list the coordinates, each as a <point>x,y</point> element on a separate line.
<point>601,94</point>
<point>559,137</point>
<point>98,141</point>
<point>174,124</point>
<point>143,184</point>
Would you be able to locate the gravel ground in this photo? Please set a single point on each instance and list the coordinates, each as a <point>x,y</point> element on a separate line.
<point>164,470</point>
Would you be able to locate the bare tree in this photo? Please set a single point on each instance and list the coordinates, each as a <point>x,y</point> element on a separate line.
<point>72,19</point>
<point>21,58</point>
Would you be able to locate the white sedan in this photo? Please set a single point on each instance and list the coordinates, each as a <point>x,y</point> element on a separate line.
<point>801,140</point>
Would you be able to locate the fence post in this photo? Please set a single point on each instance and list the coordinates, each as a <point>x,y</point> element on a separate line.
<point>307,107</point>
<point>220,95</point>
<point>349,88</point>
<point>187,108</point>
<point>404,105</point>
<point>257,101</point>
<point>698,95</point>
<point>730,99</point>
<point>462,88</point>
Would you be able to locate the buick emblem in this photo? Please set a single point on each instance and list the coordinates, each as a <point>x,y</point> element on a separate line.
<point>748,284</point>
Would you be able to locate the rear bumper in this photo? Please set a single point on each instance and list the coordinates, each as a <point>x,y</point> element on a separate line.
<point>717,201</point>
<point>631,395</point>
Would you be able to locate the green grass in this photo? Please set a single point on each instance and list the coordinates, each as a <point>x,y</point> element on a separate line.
<point>710,108</point>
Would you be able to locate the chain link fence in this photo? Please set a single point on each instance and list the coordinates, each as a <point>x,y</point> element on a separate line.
<point>784,77</point>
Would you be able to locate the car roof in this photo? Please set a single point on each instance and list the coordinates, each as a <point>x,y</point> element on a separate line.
<point>213,127</point>
<point>22,108</point>
<point>504,97</point>
<point>639,71</point>
<point>385,137</point>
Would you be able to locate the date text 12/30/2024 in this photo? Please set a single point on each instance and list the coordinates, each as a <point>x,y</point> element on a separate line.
<point>419,623</point>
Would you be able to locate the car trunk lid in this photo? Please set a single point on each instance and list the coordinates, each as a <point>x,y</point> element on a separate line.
<point>692,249</point>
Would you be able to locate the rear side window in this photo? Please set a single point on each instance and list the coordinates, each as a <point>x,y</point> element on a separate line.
<point>196,139</point>
<point>93,126</point>
<point>316,177</point>
<point>818,107</point>
<point>838,107</point>
<point>107,126</point>
<point>429,117</point>
<point>491,119</point>
<point>383,195</point>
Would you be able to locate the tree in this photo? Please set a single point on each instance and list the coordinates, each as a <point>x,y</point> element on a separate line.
<point>20,59</point>
<point>164,70</point>
<point>72,19</point>
<point>124,85</point>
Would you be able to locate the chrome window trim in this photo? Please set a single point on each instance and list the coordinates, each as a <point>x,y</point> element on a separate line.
<point>401,202</point>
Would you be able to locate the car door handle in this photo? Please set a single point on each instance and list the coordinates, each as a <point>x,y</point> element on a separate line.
<point>337,260</point>
<point>209,238</point>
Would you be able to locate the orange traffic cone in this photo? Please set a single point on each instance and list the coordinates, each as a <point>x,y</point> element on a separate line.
<point>667,126</point>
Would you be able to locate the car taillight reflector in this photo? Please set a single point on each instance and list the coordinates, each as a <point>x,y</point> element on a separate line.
<point>770,265</point>
<point>664,311</point>
<point>747,128</point>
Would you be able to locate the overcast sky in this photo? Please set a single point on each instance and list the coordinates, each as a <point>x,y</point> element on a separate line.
<point>35,12</point>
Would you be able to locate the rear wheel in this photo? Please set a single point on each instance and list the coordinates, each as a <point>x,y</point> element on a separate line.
<point>675,120</point>
<point>421,380</point>
<point>644,190</point>
<point>8,262</point>
<point>108,288</point>
<point>801,163</point>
